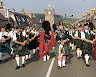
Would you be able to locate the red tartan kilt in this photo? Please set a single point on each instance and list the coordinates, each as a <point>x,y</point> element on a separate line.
<point>95,55</point>
<point>41,48</point>
<point>47,46</point>
<point>95,51</point>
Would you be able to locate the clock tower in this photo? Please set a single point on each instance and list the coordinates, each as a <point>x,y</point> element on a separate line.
<point>49,15</point>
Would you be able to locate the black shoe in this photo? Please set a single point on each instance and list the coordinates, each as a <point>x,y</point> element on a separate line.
<point>64,66</point>
<point>6,60</point>
<point>17,67</point>
<point>59,67</point>
<point>78,57</point>
<point>11,55</point>
<point>23,65</point>
<point>0,60</point>
<point>26,60</point>
<point>87,65</point>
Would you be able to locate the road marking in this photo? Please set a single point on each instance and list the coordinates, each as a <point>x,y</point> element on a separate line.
<point>50,67</point>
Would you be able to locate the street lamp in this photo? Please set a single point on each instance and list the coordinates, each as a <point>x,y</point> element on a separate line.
<point>69,16</point>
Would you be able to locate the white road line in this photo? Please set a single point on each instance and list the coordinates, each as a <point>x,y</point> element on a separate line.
<point>50,67</point>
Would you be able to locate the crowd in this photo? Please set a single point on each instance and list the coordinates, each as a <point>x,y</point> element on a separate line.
<point>23,42</point>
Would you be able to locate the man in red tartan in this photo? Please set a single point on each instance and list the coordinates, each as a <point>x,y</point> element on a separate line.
<point>45,43</point>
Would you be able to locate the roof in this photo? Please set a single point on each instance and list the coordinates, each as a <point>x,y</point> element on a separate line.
<point>1,8</point>
<point>35,21</point>
<point>23,20</point>
<point>2,17</point>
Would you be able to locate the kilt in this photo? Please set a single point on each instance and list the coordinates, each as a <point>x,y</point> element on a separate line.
<point>72,41</point>
<point>46,47</point>
<point>79,44</point>
<point>66,47</point>
<point>21,50</point>
<point>5,47</point>
<point>31,45</point>
<point>95,50</point>
<point>87,47</point>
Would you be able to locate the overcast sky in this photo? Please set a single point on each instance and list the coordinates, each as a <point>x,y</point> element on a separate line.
<point>75,7</point>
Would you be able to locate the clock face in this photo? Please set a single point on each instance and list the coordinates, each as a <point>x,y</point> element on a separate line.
<point>49,12</point>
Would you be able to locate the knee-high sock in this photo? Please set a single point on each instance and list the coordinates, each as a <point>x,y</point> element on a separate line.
<point>48,57</point>
<point>72,46</point>
<point>44,58</point>
<point>63,61</point>
<point>78,53</point>
<point>6,55</point>
<point>0,55</point>
<point>30,54</point>
<point>33,51</point>
<point>26,57</point>
<point>17,60</point>
<point>11,51</point>
<point>23,59</point>
<point>59,62</point>
<point>87,59</point>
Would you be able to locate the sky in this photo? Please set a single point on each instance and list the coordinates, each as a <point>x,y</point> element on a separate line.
<point>62,7</point>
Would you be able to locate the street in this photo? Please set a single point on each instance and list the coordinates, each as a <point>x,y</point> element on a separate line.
<point>37,68</point>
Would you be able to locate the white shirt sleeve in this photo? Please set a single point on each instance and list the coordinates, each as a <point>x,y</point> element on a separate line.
<point>92,32</point>
<point>14,38</point>
<point>82,35</point>
<point>76,34</point>
<point>32,32</point>
<point>24,33</point>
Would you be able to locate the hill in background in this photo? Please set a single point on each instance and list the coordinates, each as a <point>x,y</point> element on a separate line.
<point>58,18</point>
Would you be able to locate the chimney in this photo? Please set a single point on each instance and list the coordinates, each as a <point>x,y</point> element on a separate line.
<point>34,15</point>
<point>1,3</point>
<point>22,12</point>
<point>29,14</point>
<point>13,10</point>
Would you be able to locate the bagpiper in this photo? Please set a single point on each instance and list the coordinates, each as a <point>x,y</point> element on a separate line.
<point>20,47</point>
<point>64,38</point>
<point>87,37</point>
<point>45,43</point>
<point>78,42</point>
<point>4,47</point>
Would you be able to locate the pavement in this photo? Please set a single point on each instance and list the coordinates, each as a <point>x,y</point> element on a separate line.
<point>37,68</point>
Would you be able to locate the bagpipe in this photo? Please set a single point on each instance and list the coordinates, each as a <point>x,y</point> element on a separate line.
<point>28,36</point>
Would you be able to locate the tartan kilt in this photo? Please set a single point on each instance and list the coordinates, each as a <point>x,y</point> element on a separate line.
<point>47,47</point>
<point>79,44</point>
<point>21,50</point>
<point>41,47</point>
<point>87,47</point>
<point>5,49</point>
<point>95,50</point>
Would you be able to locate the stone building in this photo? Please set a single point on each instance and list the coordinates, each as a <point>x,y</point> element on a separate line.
<point>4,15</point>
<point>89,16</point>
<point>16,19</point>
<point>49,15</point>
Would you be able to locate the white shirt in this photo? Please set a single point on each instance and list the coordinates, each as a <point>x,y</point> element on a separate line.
<point>11,33</point>
<point>2,34</point>
<point>70,32</point>
<point>15,38</point>
<point>76,34</point>
<point>87,31</point>
<point>82,35</point>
